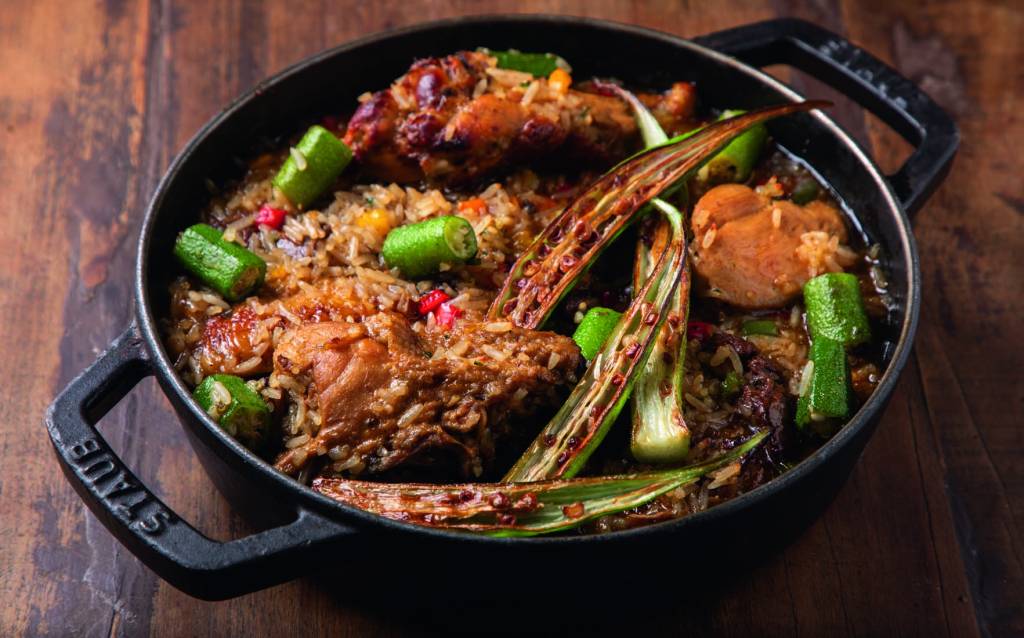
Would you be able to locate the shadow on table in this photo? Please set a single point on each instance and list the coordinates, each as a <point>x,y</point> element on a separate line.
<point>635,589</point>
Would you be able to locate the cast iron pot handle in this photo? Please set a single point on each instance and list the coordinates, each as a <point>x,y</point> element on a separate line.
<point>172,548</point>
<point>865,79</point>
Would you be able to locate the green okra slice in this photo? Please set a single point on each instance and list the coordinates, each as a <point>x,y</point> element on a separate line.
<point>827,396</point>
<point>236,407</point>
<point>315,162</point>
<point>230,269</point>
<point>419,249</point>
<point>835,308</point>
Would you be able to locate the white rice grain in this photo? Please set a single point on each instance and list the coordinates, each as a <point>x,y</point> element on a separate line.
<point>721,354</point>
<point>509,77</point>
<point>805,379</point>
<point>480,87</point>
<point>339,452</point>
<point>493,352</point>
<point>248,365</point>
<point>350,463</point>
<point>553,360</point>
<point>725,475</point>
<point>531,92</point>
<point>460,348</point>
<point>300,159</point>
<point>220,394</point>
<point>709,237</point>
<point>695,402</point>
<point>734,358</point>
<point>410,415</point>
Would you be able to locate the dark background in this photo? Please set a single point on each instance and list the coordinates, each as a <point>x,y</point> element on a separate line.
<point>97,97</point>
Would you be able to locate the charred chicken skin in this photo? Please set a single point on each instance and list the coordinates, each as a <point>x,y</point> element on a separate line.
<point>457,119</point>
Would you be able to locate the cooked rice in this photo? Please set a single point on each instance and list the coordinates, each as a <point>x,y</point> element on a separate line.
<point>332,255</point>
<point>823,253</point>
<point>326,255</point>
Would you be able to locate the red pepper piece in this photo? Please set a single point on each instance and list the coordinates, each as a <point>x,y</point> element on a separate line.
<point>271,217</point>
<point>446,314</point>
<point>699,330</point>
<point>431,300</point>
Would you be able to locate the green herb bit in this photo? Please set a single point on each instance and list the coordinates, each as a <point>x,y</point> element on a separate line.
<point>594,329</point>
<point>315,162</point>
<point>536,64</point>
<point>236,407</point>
<point>765,327</point>
<point>418,250</point>
<point>732,384</point>
<point>228,268</point>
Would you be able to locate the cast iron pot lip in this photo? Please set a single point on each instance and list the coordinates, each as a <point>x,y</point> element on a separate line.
<point>305,498</point>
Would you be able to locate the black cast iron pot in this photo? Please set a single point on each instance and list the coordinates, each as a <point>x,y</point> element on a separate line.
<point>307,530</point>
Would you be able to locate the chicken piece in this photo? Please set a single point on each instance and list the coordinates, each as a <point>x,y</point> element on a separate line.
<point>391,397</point>
<point>234,343</point>
<point>457,119</point>
<point>674,109</point>
<point>371,133</point>
<point>480,135</point>
<point>757,253</point>
<point>239,341</point>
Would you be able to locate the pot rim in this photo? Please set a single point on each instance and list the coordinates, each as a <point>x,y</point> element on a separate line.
<point>303,497</point>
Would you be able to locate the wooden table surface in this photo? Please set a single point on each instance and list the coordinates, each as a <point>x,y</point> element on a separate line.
<point>927,538</point>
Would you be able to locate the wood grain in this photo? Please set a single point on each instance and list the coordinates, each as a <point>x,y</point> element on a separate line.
<point>926,539</point>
